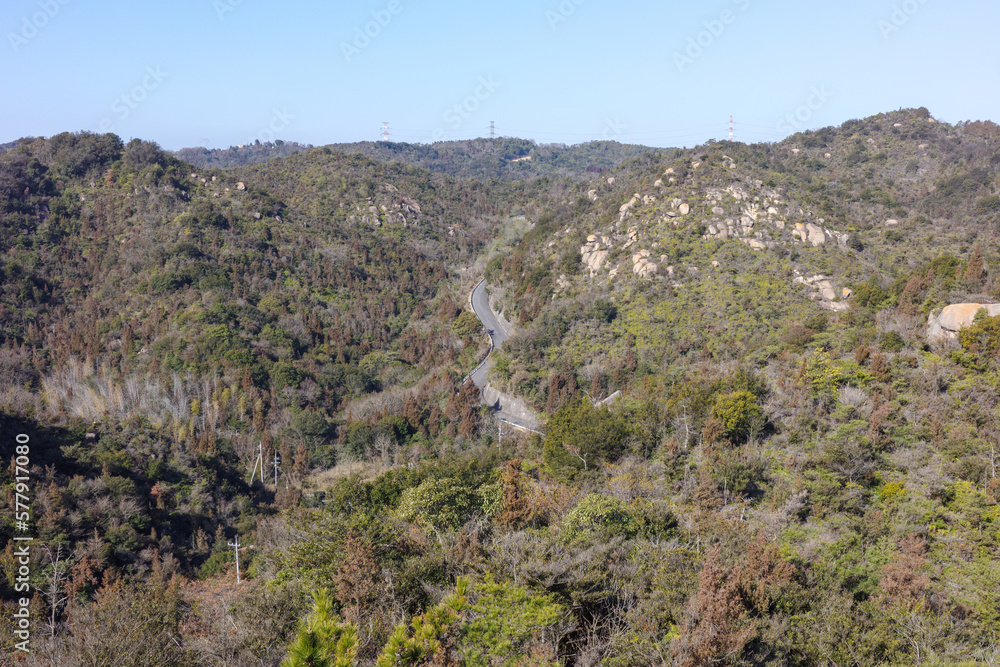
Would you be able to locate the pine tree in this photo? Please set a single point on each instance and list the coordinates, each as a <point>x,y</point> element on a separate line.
<point>322,640</point>
<point>428,637</point>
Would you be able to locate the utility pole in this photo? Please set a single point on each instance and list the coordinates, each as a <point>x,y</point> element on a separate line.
<point>236,545</point>
<point>258,463</point>
<point>276,462</point>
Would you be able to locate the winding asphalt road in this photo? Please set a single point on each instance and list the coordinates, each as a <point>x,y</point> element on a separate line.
<point>481,307</point>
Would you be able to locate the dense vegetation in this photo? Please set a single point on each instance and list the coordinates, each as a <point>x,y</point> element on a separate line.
<point>504,158</point>
<point>788,477</point>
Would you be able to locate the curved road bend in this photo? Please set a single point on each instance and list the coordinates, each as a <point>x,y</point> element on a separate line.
<point>481,307</point>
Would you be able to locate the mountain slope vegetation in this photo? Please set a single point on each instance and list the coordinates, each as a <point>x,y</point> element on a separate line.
<point>792,473</point>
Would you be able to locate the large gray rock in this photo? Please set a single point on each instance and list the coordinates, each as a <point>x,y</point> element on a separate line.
<point>946,324</point>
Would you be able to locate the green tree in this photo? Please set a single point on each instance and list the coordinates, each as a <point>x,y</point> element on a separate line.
<point>428,636</point>
<point>466,324</point>
<point>739,414</point>
<point>322,640</point>
<point>506,622</point>
<point>982,336</point>
<point>580,437</point>
<point>602,516</point>
<point>441,503</point>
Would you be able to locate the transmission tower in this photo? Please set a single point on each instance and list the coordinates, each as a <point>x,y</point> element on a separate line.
<point>730,127</point>
<point>492,131</point>
<point>385,132</point>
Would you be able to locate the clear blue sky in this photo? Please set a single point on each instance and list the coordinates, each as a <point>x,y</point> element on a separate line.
<point>220,72</point>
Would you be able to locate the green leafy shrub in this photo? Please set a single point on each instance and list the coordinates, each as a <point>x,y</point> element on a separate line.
<point>600,516</point>
<point>739,414</point>
<point>466,324</point>
<point>443,504</point>
<point>580,436</point>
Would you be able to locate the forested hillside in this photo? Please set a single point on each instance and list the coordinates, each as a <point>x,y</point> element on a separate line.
<point>479,159</point>
<point>794,472</point>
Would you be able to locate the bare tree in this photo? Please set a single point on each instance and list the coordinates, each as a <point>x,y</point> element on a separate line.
<point>54,588</point>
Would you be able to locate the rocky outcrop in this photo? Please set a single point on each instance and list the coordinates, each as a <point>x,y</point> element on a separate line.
<point>825,293</point>
<point>946,324</point>
<point>641,266</point>
<point>624,209</point>
<point>594,253</point>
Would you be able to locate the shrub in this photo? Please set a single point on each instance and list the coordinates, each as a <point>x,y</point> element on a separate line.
<point>739,415</point>
<point>601,516</point>
<point>441,503</point>
<point>580,436</point>
<point>466,324</point>
<point>982,336</point>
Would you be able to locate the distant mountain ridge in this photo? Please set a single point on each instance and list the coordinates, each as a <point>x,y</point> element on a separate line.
<point>504,158</point>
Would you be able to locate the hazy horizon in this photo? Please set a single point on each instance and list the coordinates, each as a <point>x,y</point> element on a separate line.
<point>221,72</point>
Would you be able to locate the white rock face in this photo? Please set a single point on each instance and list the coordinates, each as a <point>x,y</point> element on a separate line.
<point>611,181</point>
<point>814,234</point>
<point>718,210</point>
<point>624,209</point>
<point>241,186</point>
<point>946,324</point>
<point>891,222</point>
<point>658,183</point>
<point>684,209</point>
<point>592,195</point>
<point>593,255</point>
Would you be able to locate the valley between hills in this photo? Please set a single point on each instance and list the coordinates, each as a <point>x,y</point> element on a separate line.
<point>612,404</point>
